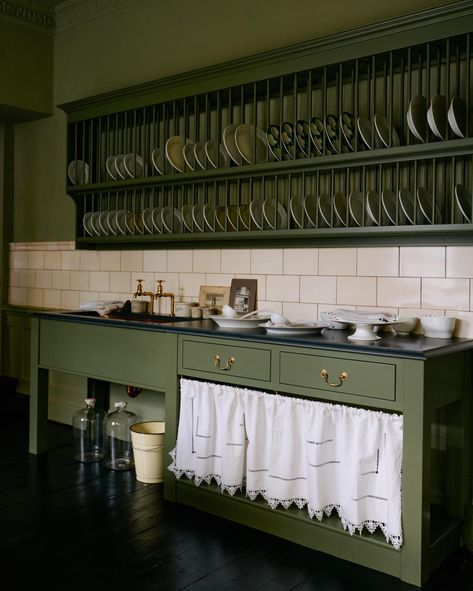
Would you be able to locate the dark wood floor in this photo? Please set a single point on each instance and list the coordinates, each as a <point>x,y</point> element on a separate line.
<point>71,526</point>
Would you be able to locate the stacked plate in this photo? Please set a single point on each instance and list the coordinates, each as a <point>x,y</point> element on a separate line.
<point>78,172</point>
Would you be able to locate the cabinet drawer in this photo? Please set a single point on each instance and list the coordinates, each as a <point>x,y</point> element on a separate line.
<point>369,379</point>
<point>248,362</point>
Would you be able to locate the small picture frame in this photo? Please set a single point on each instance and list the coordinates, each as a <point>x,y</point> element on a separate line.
<point>243,295</point>
<point>214,296</point>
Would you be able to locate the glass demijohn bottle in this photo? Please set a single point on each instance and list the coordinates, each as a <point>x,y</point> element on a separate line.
<point>118,447</point>
<point>87,428</point>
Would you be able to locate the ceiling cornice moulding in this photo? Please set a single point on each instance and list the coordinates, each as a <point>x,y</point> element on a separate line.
<point>27,14</point>
<point>73,13</point>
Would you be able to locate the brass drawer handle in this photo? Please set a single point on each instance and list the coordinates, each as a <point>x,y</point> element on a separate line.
<point>342,377</point>
<point>230,362</point>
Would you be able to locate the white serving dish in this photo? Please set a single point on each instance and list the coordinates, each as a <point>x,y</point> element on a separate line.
<point>226,322</point>
<point>406,325</point>
<point>295,328</point>
<point>437,327</point>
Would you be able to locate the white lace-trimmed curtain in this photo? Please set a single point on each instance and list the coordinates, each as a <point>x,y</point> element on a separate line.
<point>293,451</point>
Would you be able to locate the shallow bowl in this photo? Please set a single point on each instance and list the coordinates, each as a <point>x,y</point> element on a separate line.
<point>405,325</point>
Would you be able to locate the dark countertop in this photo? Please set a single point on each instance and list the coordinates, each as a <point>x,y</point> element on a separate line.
<point>390,344</point>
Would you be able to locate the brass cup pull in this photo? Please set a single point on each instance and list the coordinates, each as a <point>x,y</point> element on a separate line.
<point>230,362</point>
<point>342,377</point>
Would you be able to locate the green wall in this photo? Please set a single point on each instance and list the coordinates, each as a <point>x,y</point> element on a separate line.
<point>145,41</point>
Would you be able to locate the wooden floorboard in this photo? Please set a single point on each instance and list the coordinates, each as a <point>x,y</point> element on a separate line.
<point>71,526</point>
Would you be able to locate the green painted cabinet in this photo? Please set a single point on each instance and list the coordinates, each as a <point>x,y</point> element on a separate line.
<point>418,382</point>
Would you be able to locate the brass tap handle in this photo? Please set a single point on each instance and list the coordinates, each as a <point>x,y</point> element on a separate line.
<point>230,362</point>
<point>139,288</point>
<point>341,378</point>
<point>159,287</point>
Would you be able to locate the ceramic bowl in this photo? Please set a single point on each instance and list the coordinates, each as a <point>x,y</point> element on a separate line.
<point>440,327</point>
<point>405,325</point>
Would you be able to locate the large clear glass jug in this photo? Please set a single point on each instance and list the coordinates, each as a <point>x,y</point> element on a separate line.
<point>118,447</point>
<point>87,428</point>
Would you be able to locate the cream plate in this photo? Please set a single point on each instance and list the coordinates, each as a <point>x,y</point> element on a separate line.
<point>437,116</point>
<point>186,212</point>
<point>417,117</point>
<point>198,216</point>
<point>356,206</point>
<point>120,167</point>
<point>384,130</point>
<point>110,166</point>
<point>427,205</point>
<point>147,217</point>
<point>174,154</point>
<point>200,156</point>
<point>157,220</point>
<point>189,156</point>
<point>340,206</point>
<point>216,154</point>
<point>294,329</point>
<point>457,116</point>
<point>245,137</point>
<point>134,165</point>
<point>365,128</point>
<point>86,222</point>
<point>172,219</point>
<point>226,322</point>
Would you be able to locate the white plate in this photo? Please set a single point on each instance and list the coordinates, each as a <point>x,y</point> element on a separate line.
<point>324,204</point>
<point>274,214</point>
<point>112,222</point>
<point>157,219</point>
<point>216,154</point>
<point>134,165</point>
<point>110,166</point>
<point>86,222</point>
<point>340,206</point>
<point>463,199</point>
<point>187,219</point>
<point>457,116</point>
<point>209,216</point>
<point>365,129</point>
<point>253,322</point>
<point>198,216</point>
<point>120,167</point>
<point>147,217</point>
<point>417,117</point>
<point>172,219</point>
<point>310,209</point>
<point>94,222</point>
<point>426,204</point>
<point>383,130</point>
<point>105,230</point>
<point>374,207</point>
<point>228,137</point>
<point>356,205</point>
<point>157,158</point>
<point>437,116</point>
<point>295,329</point>
<point>189,156</point>
<point>174,154</point>
<point>256,212</point>
<point>245,137</point>
<point>389,201</point>
<point>130,223</point>
<point>406,199</point>
<point>120,221</point>
<point>296,208</point>
<point>78,172</point>
<point>200,156</point>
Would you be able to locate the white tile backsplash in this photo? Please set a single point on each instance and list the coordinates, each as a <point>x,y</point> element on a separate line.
<point>299,282</point>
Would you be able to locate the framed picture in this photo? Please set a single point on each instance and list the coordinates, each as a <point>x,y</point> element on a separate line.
<point>214,296</point>
<point>243,295</point>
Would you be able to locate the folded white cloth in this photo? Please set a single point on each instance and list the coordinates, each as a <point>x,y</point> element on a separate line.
<point>101,307</point>
<point>290,450</point>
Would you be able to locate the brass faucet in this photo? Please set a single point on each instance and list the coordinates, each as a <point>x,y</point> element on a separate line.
<point>139,292</point>
<point>161,294</point>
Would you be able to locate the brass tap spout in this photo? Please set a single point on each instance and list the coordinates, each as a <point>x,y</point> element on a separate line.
<point>139,292</point>
<point>162,294</point>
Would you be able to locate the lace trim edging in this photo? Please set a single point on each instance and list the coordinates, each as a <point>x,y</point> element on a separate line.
<point>231,489</point>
